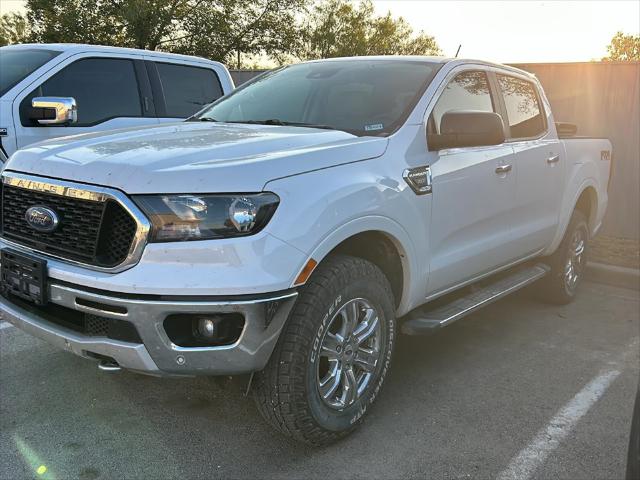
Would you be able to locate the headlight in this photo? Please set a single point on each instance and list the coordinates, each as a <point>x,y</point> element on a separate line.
<point>202,217</point>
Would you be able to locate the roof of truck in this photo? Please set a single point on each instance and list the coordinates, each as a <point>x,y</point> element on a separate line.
<point>429,59</point>
<point>72,48</point>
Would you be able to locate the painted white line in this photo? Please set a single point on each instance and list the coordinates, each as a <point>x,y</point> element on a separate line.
<point>548,438</point>
<point>4,325</point>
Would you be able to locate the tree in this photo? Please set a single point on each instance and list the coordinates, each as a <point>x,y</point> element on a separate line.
<point>623,48</point>
<point>337,28</point>
<point>13,29</point>
<point>226,29</point>
<point>217,29</point>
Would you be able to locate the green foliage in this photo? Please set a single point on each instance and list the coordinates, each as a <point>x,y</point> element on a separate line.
<point>222,29</point>
<point>13,29</point>
<point>230,31</point>
<point>338,28</point>
<point>623,48</point>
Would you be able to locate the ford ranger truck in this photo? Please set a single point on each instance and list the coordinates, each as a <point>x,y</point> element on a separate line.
<point>295,227</point>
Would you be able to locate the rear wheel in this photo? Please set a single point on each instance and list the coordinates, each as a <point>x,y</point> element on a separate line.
<point>568,262</point>
<point>333,355</point>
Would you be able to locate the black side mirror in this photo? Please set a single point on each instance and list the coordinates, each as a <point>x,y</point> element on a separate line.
<point>467,128</point>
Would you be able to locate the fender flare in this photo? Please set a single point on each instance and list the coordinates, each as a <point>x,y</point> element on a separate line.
<point>414,275</point>
<point>566,213</point>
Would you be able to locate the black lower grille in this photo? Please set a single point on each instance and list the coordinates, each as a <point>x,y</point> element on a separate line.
<point>85,323</point>
<point>97,233</point>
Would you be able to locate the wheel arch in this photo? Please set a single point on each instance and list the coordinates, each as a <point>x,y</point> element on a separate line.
<point>384,243</point>
<point>584,200</point>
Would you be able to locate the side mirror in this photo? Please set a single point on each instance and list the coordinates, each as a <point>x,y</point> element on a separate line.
<point>54,110</point>
<point>467,128</point>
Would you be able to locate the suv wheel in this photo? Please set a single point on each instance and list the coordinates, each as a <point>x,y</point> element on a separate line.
<point>333,354</point>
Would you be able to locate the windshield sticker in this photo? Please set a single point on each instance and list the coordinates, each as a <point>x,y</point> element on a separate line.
<point>375,126</point>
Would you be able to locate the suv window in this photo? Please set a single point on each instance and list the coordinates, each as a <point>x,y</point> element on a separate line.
<point>104,88</point>
<point>187,89</point>
<point>467,91</point>
<point>526,117</point>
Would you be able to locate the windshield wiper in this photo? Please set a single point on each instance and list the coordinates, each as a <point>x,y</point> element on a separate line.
<point>276,121</point>
<point>201,119</point>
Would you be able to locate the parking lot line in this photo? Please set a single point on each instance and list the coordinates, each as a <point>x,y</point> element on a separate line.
<point>523,465</point>
<point>4,325</point>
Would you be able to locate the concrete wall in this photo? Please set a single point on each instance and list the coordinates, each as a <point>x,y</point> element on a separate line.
<point>603,99</point>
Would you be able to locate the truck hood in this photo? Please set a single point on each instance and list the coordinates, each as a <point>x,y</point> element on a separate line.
<point>193,157</point>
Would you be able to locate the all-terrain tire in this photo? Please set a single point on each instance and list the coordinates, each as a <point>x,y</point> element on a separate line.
<point>286,392</point>
<point>559,286</point>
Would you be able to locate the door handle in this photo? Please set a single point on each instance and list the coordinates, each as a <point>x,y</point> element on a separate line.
<point>503,169</point>
<point>554,159</point>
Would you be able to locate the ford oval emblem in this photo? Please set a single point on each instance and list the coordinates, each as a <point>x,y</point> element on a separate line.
<point>42,219</point>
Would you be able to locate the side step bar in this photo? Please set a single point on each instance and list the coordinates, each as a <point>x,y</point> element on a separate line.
<point>428,318</point>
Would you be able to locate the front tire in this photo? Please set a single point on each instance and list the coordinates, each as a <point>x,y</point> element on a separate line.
<point>333,354</point>
<point>568,263</point>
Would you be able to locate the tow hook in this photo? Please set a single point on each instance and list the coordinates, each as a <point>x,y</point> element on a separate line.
<point>109,366</point>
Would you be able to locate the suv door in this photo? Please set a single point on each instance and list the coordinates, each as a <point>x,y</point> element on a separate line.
<point>109,93</point>
<point>539,164</point>
<point>473,193</point>
<point>181,89</point>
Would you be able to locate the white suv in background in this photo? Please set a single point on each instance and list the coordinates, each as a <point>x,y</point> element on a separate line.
<point>54,90</point>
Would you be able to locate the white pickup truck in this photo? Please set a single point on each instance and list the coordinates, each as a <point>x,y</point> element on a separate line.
<point>294,227</point>
<point>55,90</point>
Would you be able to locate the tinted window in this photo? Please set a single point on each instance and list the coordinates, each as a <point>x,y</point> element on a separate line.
<point>104,88</point>
<point>17,63</point>
<point>187,89</point>
<point>525,116</point>
<point>467,91</point>
<point>371,97</point>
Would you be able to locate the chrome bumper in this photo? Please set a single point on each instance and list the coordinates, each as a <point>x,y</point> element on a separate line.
<point>264,316</point>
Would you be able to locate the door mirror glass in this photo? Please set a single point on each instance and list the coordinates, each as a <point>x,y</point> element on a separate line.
<point>467,128</point>
<point>54,110</point>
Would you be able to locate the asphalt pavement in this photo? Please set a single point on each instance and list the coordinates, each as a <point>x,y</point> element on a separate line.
<point>517,390</point>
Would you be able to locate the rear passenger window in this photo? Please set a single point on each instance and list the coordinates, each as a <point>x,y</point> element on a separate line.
<point>525,115</point>
<point>104,88</point>
<point>467,91</point>
<point>187,89</point>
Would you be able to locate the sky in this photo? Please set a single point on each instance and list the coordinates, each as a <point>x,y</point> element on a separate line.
<point>509,31</point>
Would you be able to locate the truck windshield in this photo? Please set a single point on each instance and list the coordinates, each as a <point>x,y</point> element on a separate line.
<point>362,97</point>
<point>18,63</point>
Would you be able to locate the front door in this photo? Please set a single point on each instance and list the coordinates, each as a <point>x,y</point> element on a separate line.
<point>473,193</point>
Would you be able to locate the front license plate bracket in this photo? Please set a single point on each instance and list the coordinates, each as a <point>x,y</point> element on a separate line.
<point>23,276</point>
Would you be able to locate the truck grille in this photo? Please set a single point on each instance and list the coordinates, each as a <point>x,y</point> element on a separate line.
<point>92,232</point>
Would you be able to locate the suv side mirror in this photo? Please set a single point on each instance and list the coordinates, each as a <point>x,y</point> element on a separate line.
<point>54,110</point>
<point>467,128</point>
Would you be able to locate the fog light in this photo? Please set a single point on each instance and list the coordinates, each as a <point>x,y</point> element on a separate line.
<point>207,328</point>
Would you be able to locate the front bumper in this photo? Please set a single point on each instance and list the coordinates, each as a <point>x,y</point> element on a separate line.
<point>265,316</point>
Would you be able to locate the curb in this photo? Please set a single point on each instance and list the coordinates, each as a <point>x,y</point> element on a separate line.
<point>613,275</point>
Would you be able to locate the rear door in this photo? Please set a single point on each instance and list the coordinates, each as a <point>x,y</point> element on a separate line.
<point>110,92</point>
<point>182,89</point>
<point>539,164</point>
<point>473,195</point>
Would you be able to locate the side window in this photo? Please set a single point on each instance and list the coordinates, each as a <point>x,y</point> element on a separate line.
<point>104,88</point>
<point>467,91</point>
<point>524,112</point>
<point>187,89</point>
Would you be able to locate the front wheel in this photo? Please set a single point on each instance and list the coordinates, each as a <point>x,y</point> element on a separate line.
<point>568,262</point>
<point>332,356</point>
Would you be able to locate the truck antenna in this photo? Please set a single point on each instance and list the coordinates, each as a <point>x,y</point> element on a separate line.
<point>458,51</point>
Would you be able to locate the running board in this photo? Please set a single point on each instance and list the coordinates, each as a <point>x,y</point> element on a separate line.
<point>427,319</point>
